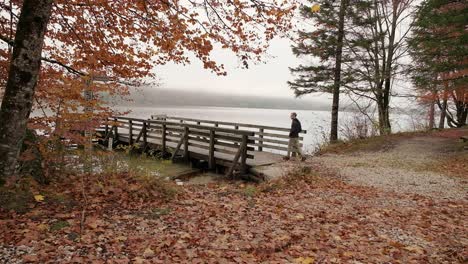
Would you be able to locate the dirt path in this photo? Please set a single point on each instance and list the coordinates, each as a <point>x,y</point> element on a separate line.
<point>409,166</point>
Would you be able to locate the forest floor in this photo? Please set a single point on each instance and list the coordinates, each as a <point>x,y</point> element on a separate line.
<point>395,199</point>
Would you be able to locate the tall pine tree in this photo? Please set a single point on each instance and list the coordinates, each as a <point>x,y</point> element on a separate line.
<point>439,48</point>
<point>324,45</point>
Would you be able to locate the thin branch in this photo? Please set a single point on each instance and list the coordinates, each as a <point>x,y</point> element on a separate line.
<point>68,68</point>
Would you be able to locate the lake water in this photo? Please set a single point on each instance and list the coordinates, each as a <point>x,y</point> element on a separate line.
<point>317,123</point>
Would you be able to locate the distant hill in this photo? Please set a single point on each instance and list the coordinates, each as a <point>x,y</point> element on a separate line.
<point>148,96</point>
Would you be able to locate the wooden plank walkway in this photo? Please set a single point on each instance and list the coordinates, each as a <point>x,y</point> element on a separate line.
<point>218,143</point>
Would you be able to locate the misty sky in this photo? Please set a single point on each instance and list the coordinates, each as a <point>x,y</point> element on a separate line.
<point>264,79</point>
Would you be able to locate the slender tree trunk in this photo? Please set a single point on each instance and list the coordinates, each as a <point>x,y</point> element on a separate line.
<point>431,116</point>
<point>337,77</point>
<point>464,116</point>
<point>387,128</point>
<point>381,121</point>
<point>22,78</point>
<point>443,111</point>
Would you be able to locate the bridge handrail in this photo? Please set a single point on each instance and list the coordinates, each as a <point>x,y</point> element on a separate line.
<point>210,128</point>
<point>266,137</point>
<point>228,123</point>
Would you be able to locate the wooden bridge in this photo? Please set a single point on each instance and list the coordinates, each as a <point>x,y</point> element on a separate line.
<point>235,147</point>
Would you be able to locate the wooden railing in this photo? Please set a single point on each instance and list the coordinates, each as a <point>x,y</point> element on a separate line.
<point>264,137</point>
<point>217,145</point>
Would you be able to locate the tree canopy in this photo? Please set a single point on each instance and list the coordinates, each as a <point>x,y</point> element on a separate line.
<point>439,47</point>
<point>103,46</point>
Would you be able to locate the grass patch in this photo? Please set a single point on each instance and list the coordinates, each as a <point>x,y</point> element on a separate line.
<point>56,226</point>
<point>155,185</point>
<point>358,164</point>
<point>270,187</point>
<point>302,174</point>
<point>367,144</point>
<point>156,213</point>
<point>375,143</point>
<point>250,191</point>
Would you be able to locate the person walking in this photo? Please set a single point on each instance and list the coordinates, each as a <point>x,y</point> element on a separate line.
<point>293,146</point>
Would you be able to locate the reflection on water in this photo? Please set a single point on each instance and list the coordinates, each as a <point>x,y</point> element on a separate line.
<point>317,123</point>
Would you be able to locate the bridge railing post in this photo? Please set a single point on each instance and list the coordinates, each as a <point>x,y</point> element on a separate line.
<point>145,138</point>
<point>186,143</point>
<point>260,142</point>
<point>107,126</point>
<point>116,135</point>
<point>243,167</point>
<point>163,139</point>
<point>130,132</point>
<point>211,158</point>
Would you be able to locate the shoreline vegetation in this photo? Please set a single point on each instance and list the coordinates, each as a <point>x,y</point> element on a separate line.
<point>376,199</point>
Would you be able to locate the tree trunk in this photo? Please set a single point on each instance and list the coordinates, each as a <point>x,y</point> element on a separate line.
<point>22,78</point>
<point>431,116</point>
<point>386,126</point>
<point>464,116</point>
<point>443,112</point>
<point>337,73</point>
<point>384,118</point>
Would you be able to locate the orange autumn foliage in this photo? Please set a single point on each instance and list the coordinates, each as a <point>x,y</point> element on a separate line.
<point>106,46</point>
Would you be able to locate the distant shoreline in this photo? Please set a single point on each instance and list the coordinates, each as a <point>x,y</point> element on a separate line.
<point>220,107</point>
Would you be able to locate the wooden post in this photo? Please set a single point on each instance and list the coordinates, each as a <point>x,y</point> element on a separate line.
<point>244,155</point>
<point>163,140</point>
<point>236,127</point>
<point>116,135</point>
<point>130,132</point>
<point>198,123</point>
<point>211,157</point>
<point>139,135</point>
<point>107,128</point>
<point>186,143</point>
<point>110,143</point>
<point>234,162</point>
<point>216,124</point>
<point>260,142</point>
<point>145,139</point>
<point>109,134</point>
<point>182,139</point>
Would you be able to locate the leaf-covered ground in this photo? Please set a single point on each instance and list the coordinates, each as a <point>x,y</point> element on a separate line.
<point>311,216</point>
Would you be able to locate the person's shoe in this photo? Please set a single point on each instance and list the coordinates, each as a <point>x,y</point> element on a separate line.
<point>285,158</point>
<point>303,158</point>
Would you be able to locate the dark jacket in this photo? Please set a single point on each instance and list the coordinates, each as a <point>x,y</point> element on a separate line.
<point>295,128</point>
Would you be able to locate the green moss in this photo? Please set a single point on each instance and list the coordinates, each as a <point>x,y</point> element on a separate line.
<point>250,191</point>
<point>58,225</point>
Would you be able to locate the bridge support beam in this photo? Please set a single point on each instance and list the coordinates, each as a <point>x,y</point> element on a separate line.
<point>211,149</point>
<point>186,143</point>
